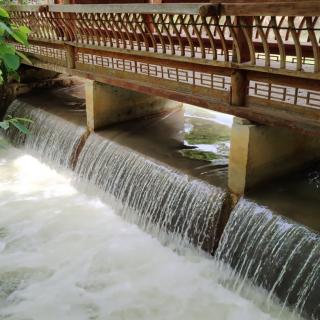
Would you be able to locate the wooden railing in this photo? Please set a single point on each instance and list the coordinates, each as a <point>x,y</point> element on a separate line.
<point>252,54</point>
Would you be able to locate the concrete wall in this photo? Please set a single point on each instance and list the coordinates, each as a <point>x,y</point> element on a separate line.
<point>107,105</point>
<point>260,153</point>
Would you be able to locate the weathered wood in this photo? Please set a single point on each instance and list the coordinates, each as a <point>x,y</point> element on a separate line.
<point>70,53</point>
<point>301,8</point>
<point>268,116</point>
<point>275,8</point>
<point>145,8</point>
<point>239,88</point>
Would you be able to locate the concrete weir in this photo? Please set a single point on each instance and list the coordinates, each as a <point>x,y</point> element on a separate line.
<point>131,162</point>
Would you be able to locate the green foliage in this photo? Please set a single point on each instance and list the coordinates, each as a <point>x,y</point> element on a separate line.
<point>10,58</point>
<point>18,123</point>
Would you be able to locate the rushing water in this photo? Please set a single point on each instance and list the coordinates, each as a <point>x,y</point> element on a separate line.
<point>278,255</point>
<point>93,265</point>
<point>67,255</point>
<point>164,200</point>
<point>51,137</point>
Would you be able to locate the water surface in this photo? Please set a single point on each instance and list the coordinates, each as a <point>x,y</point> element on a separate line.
<point>67,255</point>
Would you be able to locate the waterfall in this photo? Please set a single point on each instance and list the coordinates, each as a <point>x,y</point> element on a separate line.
<point>274,253</point>
<point>162,199</point>
<point>51,137</point>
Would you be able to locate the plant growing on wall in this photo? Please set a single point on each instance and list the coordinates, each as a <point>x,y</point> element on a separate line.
<point>10,60</point>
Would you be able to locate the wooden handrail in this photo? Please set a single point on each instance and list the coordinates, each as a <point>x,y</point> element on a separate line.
<point>203,9</point>
<point>302,8</point>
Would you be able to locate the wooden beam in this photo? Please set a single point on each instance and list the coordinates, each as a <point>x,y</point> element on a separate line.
<point>144,8</point>
<point>302,8</point>
<point>239,88</point>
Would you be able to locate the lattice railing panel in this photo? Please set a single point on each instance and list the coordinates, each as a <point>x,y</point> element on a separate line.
<point>291,95</point>
<point>283,42</point>
<point>200,79</point>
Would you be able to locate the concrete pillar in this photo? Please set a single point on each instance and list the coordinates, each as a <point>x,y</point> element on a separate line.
<point>260,153</point>
<point>108,105</point>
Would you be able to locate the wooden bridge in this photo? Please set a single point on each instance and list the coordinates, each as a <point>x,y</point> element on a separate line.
<point>259,61</point>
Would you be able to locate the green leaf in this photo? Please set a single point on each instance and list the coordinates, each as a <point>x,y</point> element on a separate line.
<point>6,28</point>
<point>4,13</point>
<point>19,36</point>
<point>12,62</point>
<point>25,30</point>
<point>4,125</point>
<point>7,48</point>
<point>24,120</point>
<point>20,127</point>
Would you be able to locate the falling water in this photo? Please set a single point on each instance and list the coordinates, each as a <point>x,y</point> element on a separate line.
<point>163,200</point>
<point>67,255</point>
<point>51,137</point>
<point>281,257</point>
<point>276,254</point>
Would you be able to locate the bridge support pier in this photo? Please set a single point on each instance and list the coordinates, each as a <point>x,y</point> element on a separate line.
<point>107,105</point>
<point>260,153</point>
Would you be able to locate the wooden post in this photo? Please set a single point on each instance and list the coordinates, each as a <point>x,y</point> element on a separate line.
<point>70,53</point>
<point>242,41</point>
<point>239,88</point>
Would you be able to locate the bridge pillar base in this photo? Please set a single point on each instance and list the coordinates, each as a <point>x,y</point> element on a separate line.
<point>260,153</point>
<point>107,105</point>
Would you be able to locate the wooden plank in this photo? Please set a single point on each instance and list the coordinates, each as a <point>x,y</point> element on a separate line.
<point>145,8</point>
<point>302,8</point>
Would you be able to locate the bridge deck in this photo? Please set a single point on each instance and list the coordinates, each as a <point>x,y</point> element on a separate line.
<point>258,61</point>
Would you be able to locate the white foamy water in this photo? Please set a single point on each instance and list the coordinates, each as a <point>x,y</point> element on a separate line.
<point>67,255</point>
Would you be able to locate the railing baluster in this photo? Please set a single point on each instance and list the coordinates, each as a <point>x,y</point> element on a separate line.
<point>314,42</point>
<point>186,31</point>
<point>263,40</point>
<point>198,35</point>
<point>177,33</point>
<point>282,52</point>
<point>248,36</point>
<point>110,22</point>
<point>296,41</point>
<point>141,31</point>
<point>132,27</point>
<point>156,27</point>
<point>166,30</point>
<point>118,30</point>
<point>222,38</point>
<point>123,22</point>
<point>210,37</point>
